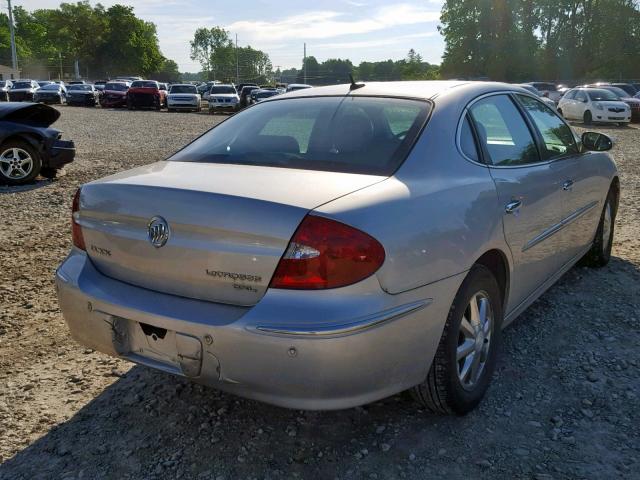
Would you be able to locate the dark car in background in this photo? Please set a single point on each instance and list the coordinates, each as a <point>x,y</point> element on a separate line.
<point>245,94</point>
<point>114,94</point>
<point>23,90</point>
<point>5,86</point>
<point>146,94</point>
<point>99,85</point>
<point>82,94</point>
<point>262,94</point>
<point>51,93</point>
<point>28,144</point>
<point>627,87</point>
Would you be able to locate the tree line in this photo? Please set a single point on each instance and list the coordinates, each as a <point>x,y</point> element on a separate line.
<point>563,40</point>
<point>333,71</point>
<point>106,42</point>
<point>216,52</point>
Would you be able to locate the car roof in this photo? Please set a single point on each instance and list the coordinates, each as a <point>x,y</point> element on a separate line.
<point>418,89</point>
<point>182,85</point>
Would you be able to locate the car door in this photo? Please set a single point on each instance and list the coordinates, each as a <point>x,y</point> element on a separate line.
<point>579,105</point>
<point>566,104</point>
<point>529,188</point>
<point>577,172</point>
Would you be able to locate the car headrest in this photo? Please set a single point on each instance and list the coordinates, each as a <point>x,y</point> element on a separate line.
<point>353,133</point>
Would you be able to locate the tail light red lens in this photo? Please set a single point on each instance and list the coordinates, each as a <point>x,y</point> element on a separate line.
<point>324,254</point>
<point>76,230</point>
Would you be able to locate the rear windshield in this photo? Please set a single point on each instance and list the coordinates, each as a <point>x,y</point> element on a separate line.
<point>220,89</point>
<point>118,87</point>
<point>367,135</point>
<point>183,89</point>
<point>144,84</point>
<point>86,88</point>
<point>266,93</point>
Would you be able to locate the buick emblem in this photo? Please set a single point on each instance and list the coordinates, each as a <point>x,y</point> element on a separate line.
<point>158,231</point>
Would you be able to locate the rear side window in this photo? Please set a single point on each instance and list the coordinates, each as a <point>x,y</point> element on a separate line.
<point>570,95</point>
<point>354,134</point>
<point>557,138</point>
<point>581,96</point>
<point>502,132</point>
<point>467,142</point>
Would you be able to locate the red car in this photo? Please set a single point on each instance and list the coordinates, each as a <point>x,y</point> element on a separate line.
<point>114,94</point>
<point>146,94</point>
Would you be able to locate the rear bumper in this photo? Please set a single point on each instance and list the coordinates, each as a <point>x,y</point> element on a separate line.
<point>306,350</point>
<point>62,152</point>
<point>88,101</point>
<point>113,102</point>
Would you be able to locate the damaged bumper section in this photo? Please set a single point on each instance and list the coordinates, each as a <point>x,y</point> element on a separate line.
<point>291,349</point>
<point>62,152</point>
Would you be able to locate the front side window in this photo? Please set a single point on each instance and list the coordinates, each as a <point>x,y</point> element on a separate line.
<point>581,96</point>
<point>557,137</point>
<point>503,133</point>
<point>341,134</point>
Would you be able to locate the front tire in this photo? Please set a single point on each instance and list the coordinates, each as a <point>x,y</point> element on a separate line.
<point>600,253</point>
<point>19,162</point>
<point>466,356</point>
<point>587,118</point>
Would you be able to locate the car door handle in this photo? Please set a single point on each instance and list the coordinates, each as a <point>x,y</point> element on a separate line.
<point>567,185</point>
<point>513,206</point>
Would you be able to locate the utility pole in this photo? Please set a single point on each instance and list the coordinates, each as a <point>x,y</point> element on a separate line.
<point>60,59</point>
<point>237,64</point>
<point>14,55</point>
<point>304,63</point>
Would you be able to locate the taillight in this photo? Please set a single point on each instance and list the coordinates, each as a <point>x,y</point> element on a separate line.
<point>324,253</point>
<point>76,230</point>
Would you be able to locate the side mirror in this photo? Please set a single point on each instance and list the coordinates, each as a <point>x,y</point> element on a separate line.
<point>596,142</point>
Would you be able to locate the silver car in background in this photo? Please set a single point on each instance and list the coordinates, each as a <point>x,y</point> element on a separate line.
<point>333,246</point>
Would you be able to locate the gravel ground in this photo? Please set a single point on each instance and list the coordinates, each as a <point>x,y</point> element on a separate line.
<point>563,405</point>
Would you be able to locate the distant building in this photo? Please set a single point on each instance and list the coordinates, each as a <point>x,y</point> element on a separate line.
<point>8,73</point>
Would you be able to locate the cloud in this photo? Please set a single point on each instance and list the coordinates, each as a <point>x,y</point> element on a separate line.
<point>372,43</point>
<point>329,24</point>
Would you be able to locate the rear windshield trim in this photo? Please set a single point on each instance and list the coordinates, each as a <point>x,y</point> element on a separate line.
<point>400,155</point>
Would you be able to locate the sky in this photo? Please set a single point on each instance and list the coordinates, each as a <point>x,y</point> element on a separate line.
<point>359,30</point>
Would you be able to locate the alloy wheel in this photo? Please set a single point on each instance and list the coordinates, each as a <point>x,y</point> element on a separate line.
<point>15,163</point>
<point>474,340</point>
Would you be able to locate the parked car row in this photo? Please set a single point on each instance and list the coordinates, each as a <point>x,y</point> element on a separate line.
<point>134,93</point>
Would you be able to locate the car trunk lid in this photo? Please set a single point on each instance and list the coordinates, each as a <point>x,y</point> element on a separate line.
<point>228,225</point>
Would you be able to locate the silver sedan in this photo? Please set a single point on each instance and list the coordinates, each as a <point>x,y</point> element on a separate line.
<point>333,246</point>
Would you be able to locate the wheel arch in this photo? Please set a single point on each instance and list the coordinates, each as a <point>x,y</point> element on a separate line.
<point>615,187</point>
<point>496,261</point>
<point>32,139</point>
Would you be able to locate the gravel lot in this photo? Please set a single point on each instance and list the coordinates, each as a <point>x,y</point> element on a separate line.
<point>564,403</point>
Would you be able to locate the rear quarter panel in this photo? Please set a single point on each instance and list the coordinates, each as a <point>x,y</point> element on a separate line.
<point>435,217</point>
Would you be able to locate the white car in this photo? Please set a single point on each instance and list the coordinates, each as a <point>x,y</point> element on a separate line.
<point>594,105</point>
<point>223,97</point>
<point>183,97</point>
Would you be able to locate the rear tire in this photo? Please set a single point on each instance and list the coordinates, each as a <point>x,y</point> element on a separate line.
<point>623,124</point>
<point>587,118</point>
<point>20,170</point>
<point>466,356</point>
<point>48,172</point>
<point>600,252</point>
